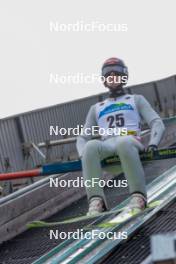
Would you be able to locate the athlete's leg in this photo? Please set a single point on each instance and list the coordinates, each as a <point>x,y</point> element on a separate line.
<point>94,152</point>
<point>128,149</point>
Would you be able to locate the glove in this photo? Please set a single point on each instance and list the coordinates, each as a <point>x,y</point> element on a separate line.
<point>151,148</point>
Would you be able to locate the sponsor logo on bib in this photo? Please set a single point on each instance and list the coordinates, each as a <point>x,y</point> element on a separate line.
<point>115,107</point>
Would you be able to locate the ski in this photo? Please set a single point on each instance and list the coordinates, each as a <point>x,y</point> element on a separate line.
<point>72,220</point>
<point>119,219</point>
<point>126,216</point>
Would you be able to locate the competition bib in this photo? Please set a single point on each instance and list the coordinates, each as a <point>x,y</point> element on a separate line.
<point>119,115</point>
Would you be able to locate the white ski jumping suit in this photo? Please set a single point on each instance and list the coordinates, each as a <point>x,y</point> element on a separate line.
<point>125,111</point>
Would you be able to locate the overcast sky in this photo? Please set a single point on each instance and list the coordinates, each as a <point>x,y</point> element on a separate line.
<point>31,52</point>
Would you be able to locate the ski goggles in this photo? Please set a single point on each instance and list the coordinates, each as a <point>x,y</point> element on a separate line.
<point>120,70</point>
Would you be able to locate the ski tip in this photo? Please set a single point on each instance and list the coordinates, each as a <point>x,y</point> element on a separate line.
<point>36,224</point>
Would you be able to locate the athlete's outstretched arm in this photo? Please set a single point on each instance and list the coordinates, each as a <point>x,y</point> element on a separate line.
<point>84,137</point>
<point>151,118</point>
